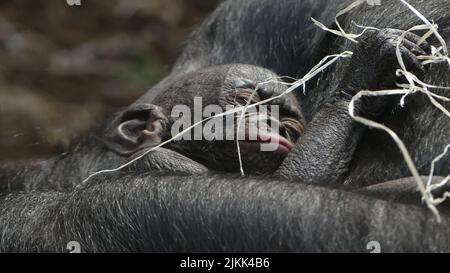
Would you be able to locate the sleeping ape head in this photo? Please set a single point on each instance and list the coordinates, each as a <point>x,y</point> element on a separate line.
<point>209,92</point>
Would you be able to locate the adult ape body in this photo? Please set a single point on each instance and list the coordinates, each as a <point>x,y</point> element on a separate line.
<point>162,214</point>
<point>424,128</point>
<point>217,214</point>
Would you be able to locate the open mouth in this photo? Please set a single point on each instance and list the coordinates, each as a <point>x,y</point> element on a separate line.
<point>268,142</point>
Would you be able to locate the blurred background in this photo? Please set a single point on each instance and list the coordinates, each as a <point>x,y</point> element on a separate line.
<point>63,68</point>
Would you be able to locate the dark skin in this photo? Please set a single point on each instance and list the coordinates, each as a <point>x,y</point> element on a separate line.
<point>138,210</point>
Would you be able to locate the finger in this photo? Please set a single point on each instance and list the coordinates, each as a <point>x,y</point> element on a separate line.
<point>411,62</point>
<point>425,46</point>
<point>414,48</point>
<point>394,33</point>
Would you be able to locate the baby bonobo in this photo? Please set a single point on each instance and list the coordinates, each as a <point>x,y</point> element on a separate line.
<point>325,147</point>
<point>213,91</point>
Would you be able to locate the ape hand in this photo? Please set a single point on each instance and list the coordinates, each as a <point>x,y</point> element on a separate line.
<point>374,65</point>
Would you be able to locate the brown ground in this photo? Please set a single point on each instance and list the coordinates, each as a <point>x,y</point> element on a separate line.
<point>63,68</point>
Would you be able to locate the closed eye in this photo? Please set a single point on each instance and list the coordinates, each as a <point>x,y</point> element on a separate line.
<point>242,97</point>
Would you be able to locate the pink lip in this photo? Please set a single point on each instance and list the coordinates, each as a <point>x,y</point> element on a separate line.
<point>284,145</point>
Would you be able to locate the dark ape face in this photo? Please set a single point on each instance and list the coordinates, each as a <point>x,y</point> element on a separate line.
<point>266,133</point>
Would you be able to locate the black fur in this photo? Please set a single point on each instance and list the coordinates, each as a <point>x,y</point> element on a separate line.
<point>140,209</point>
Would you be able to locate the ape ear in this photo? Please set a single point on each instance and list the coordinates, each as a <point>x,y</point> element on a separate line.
<point>139,127</point>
